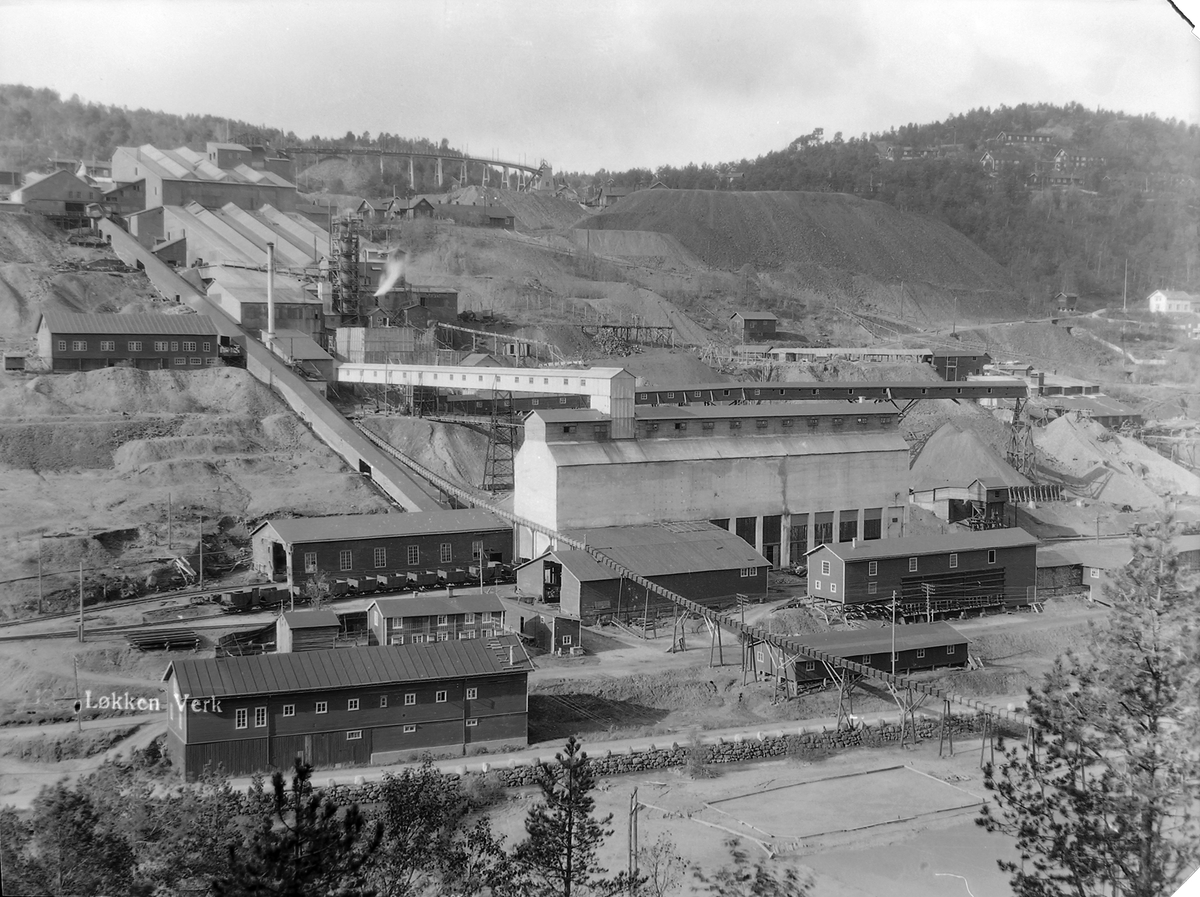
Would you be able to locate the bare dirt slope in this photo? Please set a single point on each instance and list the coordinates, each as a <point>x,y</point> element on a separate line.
<point>100,456</point>
<point>40,271</point>
<point>454,451</point>
<point>781,230</point>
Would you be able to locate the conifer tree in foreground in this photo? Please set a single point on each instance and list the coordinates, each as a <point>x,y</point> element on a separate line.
<point>558,858</point>
<point>1102,803</point>
<point>305,844</point>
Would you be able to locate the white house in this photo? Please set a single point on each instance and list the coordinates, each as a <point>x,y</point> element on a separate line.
<point>1173,302</point>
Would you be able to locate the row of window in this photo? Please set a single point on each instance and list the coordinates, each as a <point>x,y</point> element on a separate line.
<point>873,566</point>
<point>241,716</point>
<point>380,558</point>
<point>108,345</point>
<point>421,638</point>
<point>762,423</point>
<point>444,619</point>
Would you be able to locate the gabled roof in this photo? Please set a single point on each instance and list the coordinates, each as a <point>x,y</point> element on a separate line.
<point>659,550</point>
<point>67,322</point>
<point>916,546</point>
<point>1107,555</point>
<point>307,671</point>
<point>373,526</point>
<point>753,316</point>
<point>432,605</point>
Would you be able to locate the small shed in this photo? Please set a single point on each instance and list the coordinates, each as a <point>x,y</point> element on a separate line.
<point>546,626</point>
<point>753,326</point>
<point>14,361</point>
<point>306,630</point>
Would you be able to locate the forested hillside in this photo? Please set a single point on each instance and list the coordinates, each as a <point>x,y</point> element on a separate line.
<point>1142,203</point>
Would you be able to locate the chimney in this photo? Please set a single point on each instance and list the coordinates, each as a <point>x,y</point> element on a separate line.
<point>270,294</point>
<point>510,655</point>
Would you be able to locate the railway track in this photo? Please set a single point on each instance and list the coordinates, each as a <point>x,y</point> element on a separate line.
<point>725,621</point>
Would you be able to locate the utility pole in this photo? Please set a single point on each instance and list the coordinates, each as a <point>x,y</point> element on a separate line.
<point>169,515</point>
<point>1125,290</point>
<point>81,633</point>
<point>201,549</point>
<point>78,703</point>
<point>40,573</point>
<point>893,632</point>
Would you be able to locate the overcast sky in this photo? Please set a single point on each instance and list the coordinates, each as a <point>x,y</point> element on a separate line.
<point>587,84</point>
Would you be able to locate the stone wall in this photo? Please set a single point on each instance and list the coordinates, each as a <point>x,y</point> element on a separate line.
<point>801,743</point>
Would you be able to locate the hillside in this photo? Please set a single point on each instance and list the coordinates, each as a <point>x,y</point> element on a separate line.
<point>829,235</point>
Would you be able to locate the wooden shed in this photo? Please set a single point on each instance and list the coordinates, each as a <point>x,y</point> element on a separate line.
<point>306,630</point>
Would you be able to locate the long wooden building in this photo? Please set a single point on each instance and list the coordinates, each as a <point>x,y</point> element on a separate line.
<point>153,342</point>
<point>350,706</point>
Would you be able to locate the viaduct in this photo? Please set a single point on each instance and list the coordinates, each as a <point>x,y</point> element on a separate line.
<point>525,176</point>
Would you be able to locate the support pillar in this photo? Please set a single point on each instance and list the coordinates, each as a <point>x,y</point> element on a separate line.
<point>785,539</point>
<point>412,179</point>
<point>440,176</point>
<point>463,180</point>
<point>758,534</point>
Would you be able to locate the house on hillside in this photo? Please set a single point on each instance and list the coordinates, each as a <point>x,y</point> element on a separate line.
<point>372,211</point>
<point>1065,303</point>
<point>753,327</point>
<point>60,196</point>
<point>1173,302</point>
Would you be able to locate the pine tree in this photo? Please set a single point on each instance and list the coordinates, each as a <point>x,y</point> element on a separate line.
<point>304,845</point>
<point>1101,803</point>
<point>558,857</point>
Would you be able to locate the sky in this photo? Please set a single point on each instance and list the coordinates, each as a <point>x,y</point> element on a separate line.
<point>615,84</point>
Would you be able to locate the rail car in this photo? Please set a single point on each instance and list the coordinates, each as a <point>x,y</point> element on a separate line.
<point>252,598</point>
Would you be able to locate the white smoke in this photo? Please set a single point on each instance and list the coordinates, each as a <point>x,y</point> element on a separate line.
<point>392,272</point>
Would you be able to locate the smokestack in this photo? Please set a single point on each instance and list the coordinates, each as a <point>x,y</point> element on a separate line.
<point>510,655</point>
<point>270,294</point>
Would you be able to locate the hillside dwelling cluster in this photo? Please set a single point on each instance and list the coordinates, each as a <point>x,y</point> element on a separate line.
<point>295,550</point>
<point>753,326</point>
<point>929,575</point>
<point>783,478</point>
<point>350,706</point>
<point>700,561</point>
<point>419,619</point>
<point>148,342</point>
<point>915,647</point>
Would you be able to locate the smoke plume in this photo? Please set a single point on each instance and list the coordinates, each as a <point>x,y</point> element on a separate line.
<point>393,271</point>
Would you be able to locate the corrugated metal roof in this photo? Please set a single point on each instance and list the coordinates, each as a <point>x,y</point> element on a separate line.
<point>918,545</point>
<point>432,605</point>
<point>729,447</point>
<point>373,526</point>
<point>273,674</point>
<point>853,642</point>
<point>68,322</point>
<point>658,551</point>
<point>311,619</point>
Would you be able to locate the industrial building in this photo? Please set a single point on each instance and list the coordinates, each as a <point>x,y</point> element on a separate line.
<point>783,477</point>
<point>242,294</point>
<point>349,706</point>
<point>753,326</point>
<point>294,550</point>
<point>417,619</point>
<point>151,342</point>
<point>929,574</point>
<point>917,646</point>
<point>1068,568</point>
<point>700,561</point>
<point>60,196</point>
<point>955,365</point>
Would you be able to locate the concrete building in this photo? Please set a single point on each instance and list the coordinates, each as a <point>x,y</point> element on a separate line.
<point>417,619</point>
<point>699,561</point>
<point>753,326</point>
<point>224,173</point>
<point>929,574</point>
<point>152,342</point>
<point>783,477</point>
<point>353,706</point>
<point>297,549</point>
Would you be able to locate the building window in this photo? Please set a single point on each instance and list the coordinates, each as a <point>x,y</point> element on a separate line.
<point>352,704</point>
<point>79,345</point>
<point>566,640</point>
<point>472,694</point>
<point>833,588</point>
<point>446,554</point>
<point>1094,573</point>
<point>953,560</point>
<point>866,659</point>
<point>749,571</point>
<point>160,346</point>
<point>345,559</point>
<point>414,555</point>
<point>735,425</point>
<point>310,562</point>
<point>497,616</point>
<point>211,362</point>
<point>471,723</point>
<point>810,666</point>
<point>477,550</point>
<point>816,585</point>
<point>847,529</point>
<point>197,362</point>
<point>760,424</point>
<point>992,556</point>
<point>260,717</point>
<point>174,346</point>
<point>824,568</point>
<point>62,345</point>
<point>189,347</point>
<point>823,531</point>
<point>708,424</point>
<point>952,649</point>
<point>289,709</point>
<point>380,557</point>
<point>873,568</point>
<point>383,702</point>
<point>440,697</point>
<point>107,345</point>
<point>240,718</point>
<point>786,422</point>
<point>354,735</point>
<point>920,653</point>
<point>410,699</point>
<point>418,639</point>
<point>568,429</point>
<point>206,347</point>
<point>135,345</point>
<point>443,620</point>
<point>322,707</point>
<point>872,587</point>
<point>443,636</point>
<point>408,730</point>
<point>912,565</point>
<point>180,362</point>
